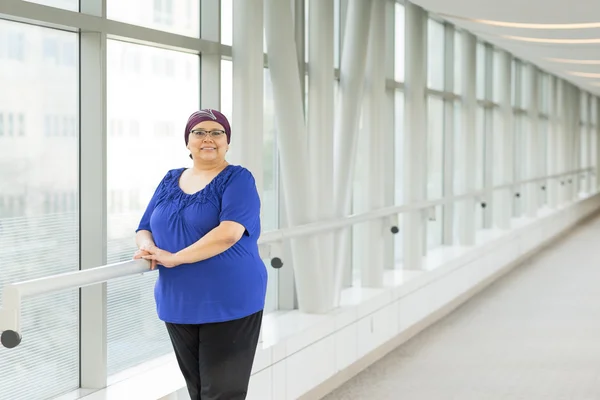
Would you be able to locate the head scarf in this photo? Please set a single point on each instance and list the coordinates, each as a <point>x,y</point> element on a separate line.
<point>207,114</point>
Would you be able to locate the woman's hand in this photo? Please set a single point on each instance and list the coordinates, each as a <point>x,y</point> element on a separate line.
<point>158,256</point>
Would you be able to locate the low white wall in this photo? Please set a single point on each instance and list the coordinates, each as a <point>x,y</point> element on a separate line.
<point>306,356</point>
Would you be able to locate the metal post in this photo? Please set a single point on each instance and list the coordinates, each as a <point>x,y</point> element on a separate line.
<point>93,212</point>
<point>467,147</point>
<point>352,70</point>
<point>448,176</point>
<point>210,66</point>
<point>248,72</point>
<point>378,137</point>
<point>532,149</point>
<point>505,135</point>
<point>415,132</point>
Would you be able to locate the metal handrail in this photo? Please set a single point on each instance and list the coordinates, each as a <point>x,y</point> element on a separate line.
<point>10,312</point>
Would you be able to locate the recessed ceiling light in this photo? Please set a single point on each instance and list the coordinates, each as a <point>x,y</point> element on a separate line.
<point>522,25</point>
<point>551,41</point>
<point>571,61</point>
<point>584,74</point>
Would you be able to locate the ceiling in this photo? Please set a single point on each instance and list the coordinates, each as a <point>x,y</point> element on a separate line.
<point>468,14</point>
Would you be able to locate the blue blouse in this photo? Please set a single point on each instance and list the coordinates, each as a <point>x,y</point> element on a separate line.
<point>228,286</point>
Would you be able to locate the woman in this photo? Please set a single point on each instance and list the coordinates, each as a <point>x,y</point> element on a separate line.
<point>201,229</point>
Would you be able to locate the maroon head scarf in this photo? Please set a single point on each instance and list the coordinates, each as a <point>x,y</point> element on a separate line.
<point>207,115</point>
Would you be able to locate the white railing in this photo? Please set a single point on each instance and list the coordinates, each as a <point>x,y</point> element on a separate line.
<point>269,244</point>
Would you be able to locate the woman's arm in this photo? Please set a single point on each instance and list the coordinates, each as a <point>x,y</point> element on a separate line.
<point>214,242</point>
<point>144,240</point>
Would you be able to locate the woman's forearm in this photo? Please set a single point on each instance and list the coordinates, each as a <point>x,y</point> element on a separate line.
<point>144,239</point>
<point>214,242</point>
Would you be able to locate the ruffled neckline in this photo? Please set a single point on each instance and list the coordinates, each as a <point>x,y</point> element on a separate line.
<point>173,193</point>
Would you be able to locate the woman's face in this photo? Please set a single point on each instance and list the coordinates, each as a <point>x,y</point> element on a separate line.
<point>208,141</point>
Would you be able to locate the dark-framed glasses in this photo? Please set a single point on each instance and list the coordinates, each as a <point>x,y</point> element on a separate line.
<point>203,133</point>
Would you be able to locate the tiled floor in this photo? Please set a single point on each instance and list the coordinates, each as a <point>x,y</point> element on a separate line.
<point>532,335</point>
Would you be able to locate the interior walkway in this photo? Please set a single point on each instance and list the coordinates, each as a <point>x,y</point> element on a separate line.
<point>532,335</point>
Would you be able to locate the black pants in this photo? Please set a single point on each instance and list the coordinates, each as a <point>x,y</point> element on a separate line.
<point>216,359</point>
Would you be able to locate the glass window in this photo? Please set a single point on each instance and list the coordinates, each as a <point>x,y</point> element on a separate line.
<point>435,147</point>
<point>480,148</point>
<point>435,55</point>
<point>227,22</point>
<point>498,81</point>
<point>136,165</point>
<point>399,43</point>
<point>520,133</point>
<point>46,364</point>
<point>172,16</point>
<point>459,159</point>
<point>480,66</point>
<point>458,71</point>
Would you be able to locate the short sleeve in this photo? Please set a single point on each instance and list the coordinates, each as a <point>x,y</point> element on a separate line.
<point>145,221</point>
<point>240,202</point>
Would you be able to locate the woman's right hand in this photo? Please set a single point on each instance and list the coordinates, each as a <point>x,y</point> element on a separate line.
<point>141,253</point>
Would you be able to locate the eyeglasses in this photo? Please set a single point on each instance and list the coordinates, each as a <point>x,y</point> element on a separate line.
<point>202,133</point>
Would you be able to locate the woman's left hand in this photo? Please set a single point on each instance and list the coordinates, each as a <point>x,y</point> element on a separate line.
<point>162,257</point>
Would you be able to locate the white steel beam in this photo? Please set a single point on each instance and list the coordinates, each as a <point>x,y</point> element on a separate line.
<point>320,128</point>
<point>532,148</point>
<point>553,142</point>
<point>415,132</point>
<point>466,151</point>
<point>377,138</point>
<point>293,146</point>
<point>347,119</point>
<point>505,136</point>
<point>449,134</point>
<point>248,72</point>
<point>93,197</point>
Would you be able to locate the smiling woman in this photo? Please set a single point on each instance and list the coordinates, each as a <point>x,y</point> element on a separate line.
<point>201,230</point>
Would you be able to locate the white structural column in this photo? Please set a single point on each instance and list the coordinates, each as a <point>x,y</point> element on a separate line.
<point>283,69</point>
<point>505,134</point>
<point>320,128</point>
<point>415,132</point>
<point>389,150</point>
<point>597,150</point>
<point>92,201</point>
<point>561,96</point>
<point>466,149</point>
<point>248,65</point>
<point>588,141</point>
<point>532,148</point>
<point>449,159</point>
<point>490,151</point>
<point>210,66</point>
<point>553,142</point>
<point>575,138</point>
<point>347,113</point>
<point>377,138</point>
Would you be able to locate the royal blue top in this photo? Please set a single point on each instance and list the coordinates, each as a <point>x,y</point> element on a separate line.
<point>228,286</point>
